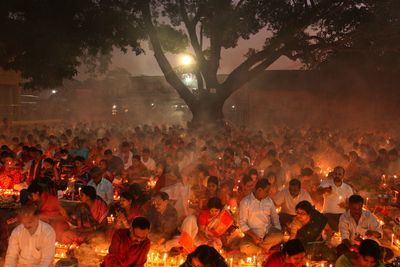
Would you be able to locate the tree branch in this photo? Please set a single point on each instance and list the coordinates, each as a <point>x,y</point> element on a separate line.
<point>163,62</point>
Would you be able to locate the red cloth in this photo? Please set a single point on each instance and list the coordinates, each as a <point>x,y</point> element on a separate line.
<point>134,212</point>
<point>276,260</point>
<point>49,206</point>
<point>99,210</point>
<point>122,253</point>
<point>204,218</point>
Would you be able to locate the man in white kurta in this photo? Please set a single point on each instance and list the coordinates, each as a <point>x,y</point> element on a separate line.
<point>32,243</point>
<point>356,223</point>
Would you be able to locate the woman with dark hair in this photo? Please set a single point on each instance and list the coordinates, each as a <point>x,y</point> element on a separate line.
<point>292,255</point>
<point>87,217</point>
<point>211,225</point>
<point>369,255</point>
<point>308,224</point>
<point>204,256</point>
<point>127,212</point>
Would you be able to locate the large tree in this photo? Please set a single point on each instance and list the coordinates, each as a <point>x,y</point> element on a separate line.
<point>57,35</point>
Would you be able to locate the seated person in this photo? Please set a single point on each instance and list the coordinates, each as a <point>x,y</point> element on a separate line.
<point>163,218</point>
<point>204,256</point>
<point>104,188</point>
<point>369,255</point>
<point>288,198</point>
<point>88,217</point>
<point>212,190</point>
<point>308,224</point>
<point>50,210</point>
<point>32,243</point>
<point>292,255</point>
<point>127,212</point>
<point>129,247</point>
<point>356,223</point>
<point>259,221</point>
<point>209,228</point>
<point>137,170</point>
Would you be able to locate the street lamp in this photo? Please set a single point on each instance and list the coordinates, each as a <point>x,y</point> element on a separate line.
<point>186,60</point>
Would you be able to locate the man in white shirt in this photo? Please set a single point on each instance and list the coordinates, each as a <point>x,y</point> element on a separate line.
<point>32,243</point>
<point>104,188</point>
<point>126,154</point>
<point>288,198</point>
<point>335,194</point>
<point>147,161</point>
<point>259,221</point>
<point>357,224</point>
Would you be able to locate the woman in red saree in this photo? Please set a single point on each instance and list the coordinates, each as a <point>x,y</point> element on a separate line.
<point>127,212</point>
<point>88,217</point>
<point>292,255</point>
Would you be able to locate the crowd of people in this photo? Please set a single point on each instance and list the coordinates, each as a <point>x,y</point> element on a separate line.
<point>284,193</point>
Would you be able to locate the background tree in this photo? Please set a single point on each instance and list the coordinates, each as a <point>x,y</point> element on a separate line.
<point>59,35</point>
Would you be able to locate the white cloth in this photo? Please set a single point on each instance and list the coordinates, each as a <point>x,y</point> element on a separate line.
<point>35,250</point>
<point>288,203</point>
<point>179,193</point>
<point>349,228</point>
<point>338,195</point>
<point>150,164</point>
<point>258,216</point>
<point>104,190</point>
<point>126,160</point>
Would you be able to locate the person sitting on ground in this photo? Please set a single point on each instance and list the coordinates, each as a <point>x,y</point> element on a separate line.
<point>369,255</point>
<point>288,198</point>
<point>128,211</point>
<point>259,221</point>
<point>50,210</point>
<point>212,224</point>
<point>204,256</point>
<point>32,243</point>
<point>104,188</point>
<point>88,216</point>
<point>129,247</point>
<point>308,224</point>
<point>291,255</point>
<point>356,223</point>
<point>164,219</point>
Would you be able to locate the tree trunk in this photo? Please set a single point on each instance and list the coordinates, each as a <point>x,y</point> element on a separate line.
<point>207,112</point>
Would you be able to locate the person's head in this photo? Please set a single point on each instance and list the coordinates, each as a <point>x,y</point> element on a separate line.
<point>294,187</point>
<point>135,160</point>
<point>160,201</point>
<point>261,189</point>
<point>356,203</point>
<point>271,177</point>
<point>139,230</point>
<point>294,252</point>
<point>88,194</point>
<point>146,154</point>
<point>125,147</point>
<point>79,161</point>
<point>303,211</point>
<point>214,206</point>
<point>29,216</point>
<point>247,184</point>
<point>96,174</point>
<point>369,253</point>
<point>206,256</point>
<point>108,154</point>
<point>339,175</point>
<point>244,164</point>
<point>35,191</point>
<point>253,173</point>
<point>126,200</point>
<point>306,173</point>
<point>212,184</point>
<point>103,165</point>
<point>48,163</point>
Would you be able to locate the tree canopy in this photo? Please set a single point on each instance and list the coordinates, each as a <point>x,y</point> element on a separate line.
<point>46,40</point>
